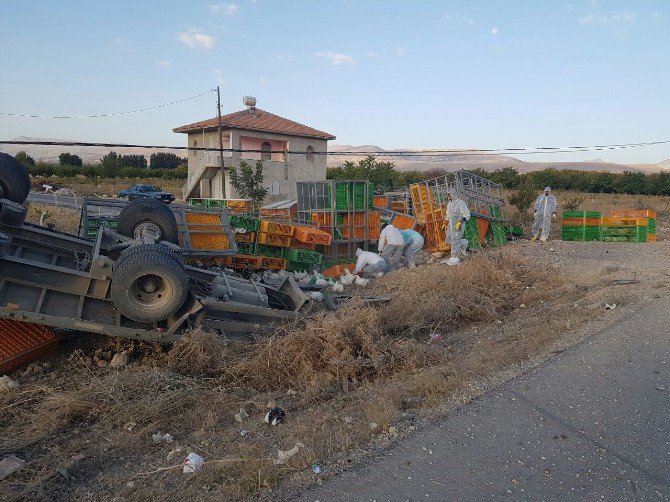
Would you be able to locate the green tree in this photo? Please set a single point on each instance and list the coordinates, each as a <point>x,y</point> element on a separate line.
<point>248,182</point>
<point>523,198</point>
<point>109,165</point>
<point>134,161</point>
<point>25,159</point>
<point>68,159</point>
<point>165,160</point>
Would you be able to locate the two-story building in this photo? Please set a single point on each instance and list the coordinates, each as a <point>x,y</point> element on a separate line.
<point>290,152</point>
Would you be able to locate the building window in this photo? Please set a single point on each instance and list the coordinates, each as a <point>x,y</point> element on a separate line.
<point>274,189</point>
<point>266,150</point>
<point>195,148</point>
<point>310,154</point>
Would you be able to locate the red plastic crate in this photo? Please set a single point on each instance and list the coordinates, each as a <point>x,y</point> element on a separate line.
<point>23,342</point>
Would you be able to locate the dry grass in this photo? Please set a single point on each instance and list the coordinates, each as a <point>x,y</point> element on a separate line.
<point>65,219</point>
<point>342,378</point>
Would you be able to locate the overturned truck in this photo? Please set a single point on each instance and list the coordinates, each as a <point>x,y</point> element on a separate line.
<point>135,285</point>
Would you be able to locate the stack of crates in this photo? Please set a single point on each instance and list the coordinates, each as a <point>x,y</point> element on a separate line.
<point>234,205</point>
<point>581,226</point>
<point>283,210</point>
<point>471,233</point>
<point>342,209</point>
<point>431,217</point>
<point>496,235</point>
<point>640,213</point>
<point>96,222</point>
<point>615,229</point>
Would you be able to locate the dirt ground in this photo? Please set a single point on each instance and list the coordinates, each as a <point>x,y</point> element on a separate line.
<point>351,382</point>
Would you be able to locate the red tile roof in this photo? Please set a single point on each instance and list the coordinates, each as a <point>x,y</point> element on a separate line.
<point>255,119</point>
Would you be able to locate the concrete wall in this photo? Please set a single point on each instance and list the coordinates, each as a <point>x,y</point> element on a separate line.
<point>280,176</point>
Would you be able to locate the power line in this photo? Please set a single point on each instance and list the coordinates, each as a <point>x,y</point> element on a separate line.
<point>102,115</point>
<point>387,153</point>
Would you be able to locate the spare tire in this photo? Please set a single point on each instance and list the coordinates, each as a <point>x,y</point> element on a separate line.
<point>143,214</point>
<point>12,214</point>
<point>148,283</point>
<point>14,179</point>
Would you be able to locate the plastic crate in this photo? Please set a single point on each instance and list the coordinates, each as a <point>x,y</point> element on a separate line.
<point>589,222</point>
<point>246,248</point>
<point>297,266</point>
<point>246,237</point>
<point>633,213</point>
<point>624,222</point>
<point>304,256</point>
<point>273,240</point>
<point>237,205</point>
<point>496,235</point>
<point>582,214</point>
<point>302,245</point>
<point>197,202</point>
<point>380,201</point>
<point>272,263</point>
<point>471,233</point>
<point>246,261</point>
<point>272,251</point>
<point>247,222</point>
<point>404,221</point>
<point>336,271</point>
<point>22,343</point>
<point>310,235</point>
<point>651,237</point>
<point>271,227</point>
<point>399,206</point>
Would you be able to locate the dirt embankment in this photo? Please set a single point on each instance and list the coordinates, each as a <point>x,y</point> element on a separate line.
<point>349,381</point>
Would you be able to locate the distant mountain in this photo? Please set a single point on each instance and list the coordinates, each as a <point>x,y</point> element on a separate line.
<point>469,159</point>
<point>88,154</point>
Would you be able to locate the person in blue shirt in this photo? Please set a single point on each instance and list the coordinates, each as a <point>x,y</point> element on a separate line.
<point>413,244</point>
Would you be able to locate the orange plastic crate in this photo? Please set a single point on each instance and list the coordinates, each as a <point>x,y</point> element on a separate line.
<point>283,241</point>
<point>271,227</point>
<point>246,261</point>
<point>374,225</point>
<point>404,222</point>
<point>482,228</point>
<point>633,213</point>
<point>399,206</point>
<point>203,218</point>
<point>238,205</point>
<point>336,271</point>
<point>272,263</point>
<point>22,343</point>
<point>302,245</point>
<point>310,235</point>
<point>380,201</point>
<point>625,222</point>
<point>284,213</point>
<point>249,237</point>
<point>209,238</point>
<point>651,237</point>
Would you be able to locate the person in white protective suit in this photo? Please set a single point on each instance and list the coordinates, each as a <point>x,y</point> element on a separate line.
<point>457,214</point>
<point>413,244</point>
<point>545,210</point>
<point>391,245</point>
<point>369,264</point>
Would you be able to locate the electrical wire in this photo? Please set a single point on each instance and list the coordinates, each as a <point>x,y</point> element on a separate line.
<point>387,153</point>
<point>102,115</point>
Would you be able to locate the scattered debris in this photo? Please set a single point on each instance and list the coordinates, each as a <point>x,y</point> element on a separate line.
<point>619,282</point>
<point>316,468</point>
<point>660,387</point>
<point>522,306</point>
<point>63,472</point>
<point>244,433</point>
<point>7,383</point>
<point>283,456</point>
<point>162,438</point>
<point>241,416</point>
<point>275,416</point>
<point>315,295</point>
<point>610,307</point>
<point>10,464</point>
<point>193,463</point>
<point>129,426</point>
<point>66,192</point>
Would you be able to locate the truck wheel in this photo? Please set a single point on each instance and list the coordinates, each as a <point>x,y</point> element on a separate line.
<point>12,214</point>
<point>14,179</point>
<point>161,248</point>
<point>5,243</point>
<point>146,214</point>
<point>148,284</point>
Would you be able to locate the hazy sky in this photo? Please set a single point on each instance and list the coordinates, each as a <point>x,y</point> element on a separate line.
<point>449,74</point>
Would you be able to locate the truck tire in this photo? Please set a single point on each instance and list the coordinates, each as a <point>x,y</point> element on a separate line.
<point>148,284</point>
<point>12,214</point>
<point>143,248</point>
<point>14,179</point>
<point>5,243</point>
<point>147,213</point>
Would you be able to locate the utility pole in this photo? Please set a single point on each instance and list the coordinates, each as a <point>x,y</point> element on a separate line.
<point>223,171</point>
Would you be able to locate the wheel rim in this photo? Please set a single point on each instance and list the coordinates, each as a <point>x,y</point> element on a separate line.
<point>151,292</point>
<point>141,230</point>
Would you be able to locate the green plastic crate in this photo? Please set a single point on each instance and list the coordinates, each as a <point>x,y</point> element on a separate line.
<point>582,214</point>
<point>237,221</point>
<point>304,256</point>
<point>197,202</point>
<point>514,231</point>
<point>471,233</point>
<point>496,234</point>
<point>272,251</point>
<point>297,266</point>
<point>246,248</point>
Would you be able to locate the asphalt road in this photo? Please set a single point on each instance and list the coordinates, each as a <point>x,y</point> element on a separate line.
<point>591,424</point>
<point>55,200</point>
